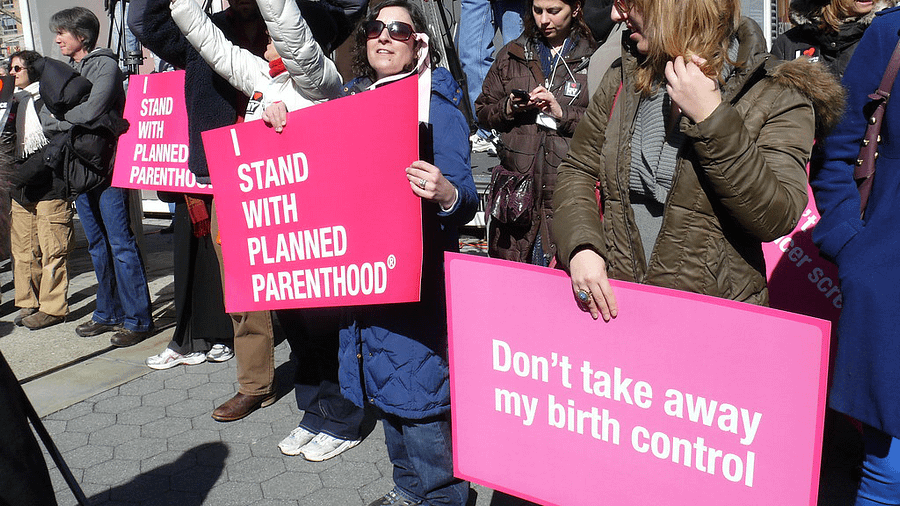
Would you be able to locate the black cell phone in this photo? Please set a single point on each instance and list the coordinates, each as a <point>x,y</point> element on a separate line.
<point>521,94</point>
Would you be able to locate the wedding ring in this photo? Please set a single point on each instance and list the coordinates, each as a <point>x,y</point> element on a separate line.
<point>422,183</point>
<point>584,296</point>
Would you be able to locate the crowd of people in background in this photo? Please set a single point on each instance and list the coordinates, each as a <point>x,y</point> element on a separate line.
<point>668,156</point>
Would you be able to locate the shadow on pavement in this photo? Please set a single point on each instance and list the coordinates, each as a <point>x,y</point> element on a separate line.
<point>187,481</point>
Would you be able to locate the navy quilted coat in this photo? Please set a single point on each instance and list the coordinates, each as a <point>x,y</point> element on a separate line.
<point>395,356</point>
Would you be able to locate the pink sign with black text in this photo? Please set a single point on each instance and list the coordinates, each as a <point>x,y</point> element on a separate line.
<point>153,153</point>
<point>321,214</point>
<point>683,399</point>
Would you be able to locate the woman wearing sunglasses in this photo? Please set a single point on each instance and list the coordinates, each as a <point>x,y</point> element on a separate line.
<point>41,228</point>
<point>534,94</point>
<point>393,358</point>
<point>698,141</point>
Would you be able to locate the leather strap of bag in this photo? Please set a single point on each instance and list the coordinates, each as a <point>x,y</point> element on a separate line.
<point>864,171</point>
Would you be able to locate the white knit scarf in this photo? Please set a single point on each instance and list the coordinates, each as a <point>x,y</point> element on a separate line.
<point>29,134</point>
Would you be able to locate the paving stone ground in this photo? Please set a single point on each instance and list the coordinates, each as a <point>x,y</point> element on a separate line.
<point>151,441</point>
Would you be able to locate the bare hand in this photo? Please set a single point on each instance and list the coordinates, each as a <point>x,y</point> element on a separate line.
<point>588,272</point>
<point>428,183</point>
<point>695,94</point>
<point>546,102</point>
<point>276,116</point>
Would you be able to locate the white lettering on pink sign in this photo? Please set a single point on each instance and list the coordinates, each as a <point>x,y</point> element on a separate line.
<point>294,233</point>
<point>153,153</point>
<point>693,399</point>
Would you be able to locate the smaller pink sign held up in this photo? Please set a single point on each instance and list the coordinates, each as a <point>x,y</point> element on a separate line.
<point>321,214</point>
<point>682,400</point>
<point>800,280</point>
<point>153,153</point>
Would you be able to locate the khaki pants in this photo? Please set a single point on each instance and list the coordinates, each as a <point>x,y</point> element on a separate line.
<point>254,339</point>
<point>41,236</point>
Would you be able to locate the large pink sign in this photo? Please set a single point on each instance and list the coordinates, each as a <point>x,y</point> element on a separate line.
<point>153,153</point>
<point>800,280</point>
<point>682,400</point>
<point>321,214</point>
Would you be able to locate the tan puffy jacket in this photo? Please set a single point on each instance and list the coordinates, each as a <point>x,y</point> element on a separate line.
<point>740,178</point>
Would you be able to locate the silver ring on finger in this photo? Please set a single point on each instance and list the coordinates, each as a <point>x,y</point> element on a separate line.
<point>422,183</point>
<point>584,296</point>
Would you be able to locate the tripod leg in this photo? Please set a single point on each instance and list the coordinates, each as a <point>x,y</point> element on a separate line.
<point>24,479</point>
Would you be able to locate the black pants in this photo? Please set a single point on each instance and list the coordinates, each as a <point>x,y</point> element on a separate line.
<point>201,320</point>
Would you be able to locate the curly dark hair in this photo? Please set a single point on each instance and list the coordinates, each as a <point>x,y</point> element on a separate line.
<point>579,27</point>
<point>28,58</point>
<point>361,67</point>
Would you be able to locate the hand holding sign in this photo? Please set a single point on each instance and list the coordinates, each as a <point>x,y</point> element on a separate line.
<point>591,284</point>
<point>429,183</point>
<point>276,116</point>
<point>693,399</point>
<point>295,233</point>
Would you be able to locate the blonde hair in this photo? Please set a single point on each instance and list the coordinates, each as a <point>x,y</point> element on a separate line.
<point>684,28</point>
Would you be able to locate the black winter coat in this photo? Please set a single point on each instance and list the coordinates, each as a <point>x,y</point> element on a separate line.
<point>808,38</point>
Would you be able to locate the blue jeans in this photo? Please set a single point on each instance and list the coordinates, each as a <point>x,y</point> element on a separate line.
<point>880,483</point>
<point>479,20</point>
<point>313,337</point>
<point>122,296</point>
<point>422,457</point>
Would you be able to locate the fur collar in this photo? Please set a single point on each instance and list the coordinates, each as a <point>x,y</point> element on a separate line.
<point>819,85</point>
<point>803,12</point>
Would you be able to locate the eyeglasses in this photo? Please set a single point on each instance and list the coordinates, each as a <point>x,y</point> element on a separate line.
<point>623,7</point>
<point>397,30</point>
<point>15,69</point>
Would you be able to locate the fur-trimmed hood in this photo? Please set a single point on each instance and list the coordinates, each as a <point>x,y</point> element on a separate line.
<point>803,12</point>
<point>814,80</point>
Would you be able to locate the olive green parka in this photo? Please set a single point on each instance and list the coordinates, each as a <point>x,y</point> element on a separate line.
<point>740,178</point>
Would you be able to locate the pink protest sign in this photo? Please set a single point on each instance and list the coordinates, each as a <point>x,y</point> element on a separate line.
<point>321,214</point>
<point>800,280</point>
<point>682,400</point>
<point>153,153</point>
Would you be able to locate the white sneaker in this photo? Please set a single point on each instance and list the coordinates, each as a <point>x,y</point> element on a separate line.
<point>482,145</point>
<point>219,353</point>
<point>295,440</point>
<point>323,447</point>
<point>170,358</point>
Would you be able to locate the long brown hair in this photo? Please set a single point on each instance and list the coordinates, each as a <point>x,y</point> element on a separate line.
<point>684,28</point>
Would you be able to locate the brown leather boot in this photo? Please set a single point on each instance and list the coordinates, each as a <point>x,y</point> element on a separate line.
<point>41,320</point>
<point>242,405</point>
